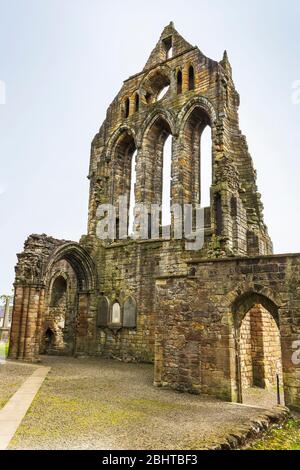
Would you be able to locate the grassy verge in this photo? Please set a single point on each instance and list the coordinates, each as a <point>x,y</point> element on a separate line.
<point>285,438</point>
<point>4,349</point>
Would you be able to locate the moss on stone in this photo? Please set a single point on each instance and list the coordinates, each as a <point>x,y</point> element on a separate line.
<point>283,438</point>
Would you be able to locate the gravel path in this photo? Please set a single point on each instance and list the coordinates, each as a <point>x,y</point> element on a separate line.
<point>11,378</point>
<point>266,398</point>
<point>101,404</point>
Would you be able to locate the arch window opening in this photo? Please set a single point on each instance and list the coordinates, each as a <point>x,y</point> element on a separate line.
<point>137,102</point>
<point>179,82</point>
<point>127,107</point>
<point>156,87</point>
<point>132,201</point>
<point>218,214</point>
<point>197,152</point>
<point>166,182</point>
<point>168,45</point>
<point>205,166</point>
<point>191,78</point>
<point>124,168</point>
<point>163,92</point>
<point>170,53</point>
<point>260,357</point>
<point>158,145</point>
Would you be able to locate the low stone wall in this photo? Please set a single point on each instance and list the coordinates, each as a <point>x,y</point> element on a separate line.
<point>199,317</point>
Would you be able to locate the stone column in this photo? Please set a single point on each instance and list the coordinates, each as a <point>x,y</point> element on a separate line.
<point>39,324</point>
<point>23,322</point>
<point>91,322</point>
<point>24,329</point>
<point>82,323</point>
<point>31,324</point>
<point>16,322</point>
<point>6,312</point>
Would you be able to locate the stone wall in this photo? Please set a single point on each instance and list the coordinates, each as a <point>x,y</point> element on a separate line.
<point>260,349</point>
<point>183,113</point>
<point>246,352</point>
<point>199,316</point>
<point>189,304</point>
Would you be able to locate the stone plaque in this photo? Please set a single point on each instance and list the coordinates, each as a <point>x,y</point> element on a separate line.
<point>116,314</point>
<point>103,311</point>
<point>129,318</point>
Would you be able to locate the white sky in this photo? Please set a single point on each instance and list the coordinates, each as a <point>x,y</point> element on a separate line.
<point>63,61</point>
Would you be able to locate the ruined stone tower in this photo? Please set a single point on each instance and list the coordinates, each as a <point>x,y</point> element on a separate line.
<point>154,300</point>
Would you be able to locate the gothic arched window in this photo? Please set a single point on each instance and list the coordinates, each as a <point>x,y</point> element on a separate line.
<point>191,78</point>
<point>127,107</point>
<point>137,102</point>
<point>179,82</point>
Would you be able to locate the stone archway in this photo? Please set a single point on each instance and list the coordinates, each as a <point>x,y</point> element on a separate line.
<point>44,259</point>
<point>77,267</point>
<point>258,349</point>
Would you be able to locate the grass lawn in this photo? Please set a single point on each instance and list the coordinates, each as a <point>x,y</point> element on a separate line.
<point>285,438</point>
<point>3,349</point>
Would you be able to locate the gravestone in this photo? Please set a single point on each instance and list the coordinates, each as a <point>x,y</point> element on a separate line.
<point>129,318</point>
<point>103,311</point>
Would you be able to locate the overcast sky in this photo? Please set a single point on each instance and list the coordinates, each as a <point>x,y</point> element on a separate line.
<point>63,61</point>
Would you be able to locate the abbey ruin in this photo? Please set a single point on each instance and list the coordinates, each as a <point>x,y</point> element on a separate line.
<point>213,321</point>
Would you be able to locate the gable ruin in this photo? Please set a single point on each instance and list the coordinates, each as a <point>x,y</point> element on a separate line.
<point>213,320</point>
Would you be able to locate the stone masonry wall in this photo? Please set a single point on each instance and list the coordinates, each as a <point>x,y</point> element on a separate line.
<point>189,305</point>
<point>260,349</point>
<point>199,316</point>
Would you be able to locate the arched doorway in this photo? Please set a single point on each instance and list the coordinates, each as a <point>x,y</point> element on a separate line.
<point>258,351</point>
<point>69,300</point>
<point>49,341</point>
<point>61,306</point>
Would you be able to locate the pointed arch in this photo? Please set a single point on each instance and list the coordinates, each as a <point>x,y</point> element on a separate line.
<point>244,302</point>
<point>197,102</point>
<point>80,261</point>
<point>162,113</point>
<point>116,135</point>
<point>154,82</point>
